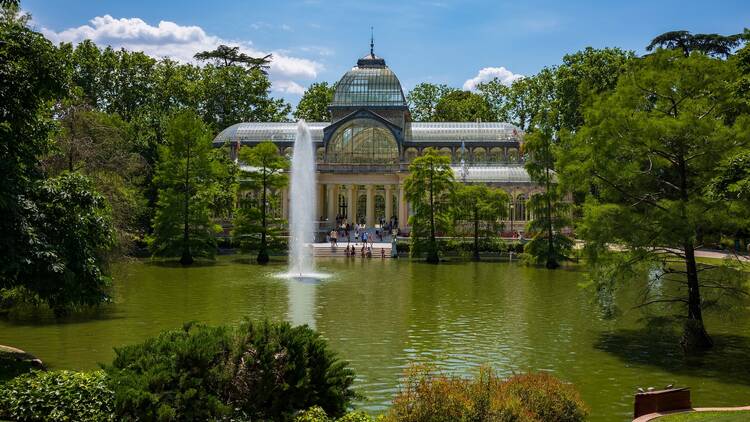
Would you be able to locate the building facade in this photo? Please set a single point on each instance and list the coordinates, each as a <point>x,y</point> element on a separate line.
<point>363,153</point>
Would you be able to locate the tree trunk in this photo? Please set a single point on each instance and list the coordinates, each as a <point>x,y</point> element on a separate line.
<point>432,253</point>
<point>476,234</point>
<point>694,336</point>
<point>551,260</point>
<point>187,257</point>
<point>263,252</point>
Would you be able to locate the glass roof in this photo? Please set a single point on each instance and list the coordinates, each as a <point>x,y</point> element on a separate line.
<point>493,173</point>
<point>463,131</point>
<point>268,132</point>
<point>369,84</point>
<point>428,133</point>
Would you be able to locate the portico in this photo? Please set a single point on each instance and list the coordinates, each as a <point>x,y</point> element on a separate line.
<point>362,198</point>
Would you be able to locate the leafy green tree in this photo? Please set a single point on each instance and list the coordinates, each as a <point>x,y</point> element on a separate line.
<point>428,189</point>
<point>186,177</point>
<point>710,44</point>
<point>423,100</point>
<point>550,212</point>
<point>233,94</point>
<point>462,106</point>
<point>70,231</point>
<point>484,207</point>
<point>98,145</point>
<point>497,95</point>
<point>267,174</point>
<point>651,148</point>
<point>313,107</point>
<point>224,56</point>
<point>32,77</point>
<point>528,96</point>
<point>581,76</point>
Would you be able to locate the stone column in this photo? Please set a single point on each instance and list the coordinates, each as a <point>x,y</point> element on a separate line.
<point>331,192</point>
<point>403,218</point>
<point>351,204</point>
<point>285,203</point>
<point>370,209</point>
<point>388,203</point>
<point>321,201</point>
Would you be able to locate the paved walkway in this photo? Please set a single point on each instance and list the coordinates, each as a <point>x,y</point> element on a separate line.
<point>652,416</point>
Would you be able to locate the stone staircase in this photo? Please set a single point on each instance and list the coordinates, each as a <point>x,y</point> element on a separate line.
<point>326,250</point>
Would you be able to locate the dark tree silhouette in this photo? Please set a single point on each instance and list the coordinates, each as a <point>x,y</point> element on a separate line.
<point>711,44</point>
<point>228,56</point>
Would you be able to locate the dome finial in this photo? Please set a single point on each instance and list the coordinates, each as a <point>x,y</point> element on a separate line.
<point>372,41</point>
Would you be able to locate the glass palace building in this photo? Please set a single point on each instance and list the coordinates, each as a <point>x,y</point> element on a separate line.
<point>363,153</point>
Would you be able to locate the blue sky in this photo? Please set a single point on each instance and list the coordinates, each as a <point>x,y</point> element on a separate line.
<point>439,41</point>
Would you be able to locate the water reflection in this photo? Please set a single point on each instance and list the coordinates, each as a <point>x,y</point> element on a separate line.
<point>382,316</point>
<point>302,298</point>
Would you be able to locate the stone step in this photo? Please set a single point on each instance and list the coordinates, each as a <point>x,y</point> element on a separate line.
<point>338,251</point>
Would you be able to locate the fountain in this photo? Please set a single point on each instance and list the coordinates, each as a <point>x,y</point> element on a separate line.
<point>302,207</point>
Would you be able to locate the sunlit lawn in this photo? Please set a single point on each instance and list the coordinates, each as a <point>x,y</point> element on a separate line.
<point>707,416</point>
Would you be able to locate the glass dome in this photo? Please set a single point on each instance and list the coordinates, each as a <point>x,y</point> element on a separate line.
<point>370,83</point>
<point>362,141</point>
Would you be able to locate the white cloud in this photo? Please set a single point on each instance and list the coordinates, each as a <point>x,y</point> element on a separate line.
<point>489,73</point>
<point>180,43</point>
<point>289,87</point>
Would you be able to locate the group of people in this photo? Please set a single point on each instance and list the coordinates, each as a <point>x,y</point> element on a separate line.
<point>343,230</point>
<point>365,251</point>
<point>360,232</point>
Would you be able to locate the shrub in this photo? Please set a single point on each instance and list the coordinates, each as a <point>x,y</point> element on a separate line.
<point>57,396</point>
<point>173,376</point>
<point>276,370</point>
<point>426,396</point>
<point>317,414</point>
<point>256,371</point>
<point>546,398</point>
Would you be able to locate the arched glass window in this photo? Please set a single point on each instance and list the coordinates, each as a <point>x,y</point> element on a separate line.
<point>496,155</point>
<point>521,207</point>
<point>410,154</point>
<point>480,155</point>
<point>362,141</point>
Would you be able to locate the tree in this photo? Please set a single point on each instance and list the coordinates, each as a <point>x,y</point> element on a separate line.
<point>710,44</point>
<point>185,176</point>
<point>550,212</point>
<point>233,94</point>
<point>31,77</point>
<point>428,188</point>
<point>484,207</point>
<point>267,174</point>
<point>528,96</point>
<point>651,148</point>
<point>496,93</point>
<point>98,145</point>
<point>224,56</point>
<point>70,232</point>
<point>313,107</point>
<point>423,100</point>
<point>583,75</point>
<point>462,106</point>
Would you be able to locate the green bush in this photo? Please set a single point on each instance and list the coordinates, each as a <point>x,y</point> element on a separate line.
<point>57,396</point>
<point>255,371</point>
<point>275,370</point>
<point>174,376</point>
<point>427,396</point>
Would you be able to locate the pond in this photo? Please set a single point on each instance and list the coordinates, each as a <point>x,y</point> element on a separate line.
<point>383,315</point>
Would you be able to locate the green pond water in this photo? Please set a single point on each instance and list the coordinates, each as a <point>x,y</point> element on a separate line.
<point>383,315</point>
